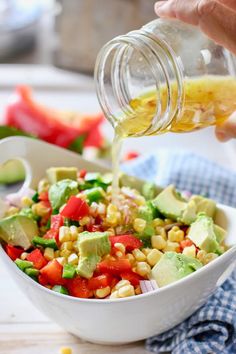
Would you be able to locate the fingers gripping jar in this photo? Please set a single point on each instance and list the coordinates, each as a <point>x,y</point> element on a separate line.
<point>167,76</point>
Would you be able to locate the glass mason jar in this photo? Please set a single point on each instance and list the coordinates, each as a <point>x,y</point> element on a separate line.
<point>167,76</point>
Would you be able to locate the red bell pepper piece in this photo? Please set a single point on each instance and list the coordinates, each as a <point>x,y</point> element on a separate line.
<point>116,267</point>
<point>37,259</point>
<point>52,272</point>
<point>13,252</point>
<point>132,277</point>
<point>93,228</point>
<point>185,243</point>
<point>42,280</point>
<point>56,222</point>
<point>75,209</point>
<point>131,156</point>
<point>43,196</point>
<point>78,287</point>
<point>51,125</point>
<point>99,282</point>
<point>129,241</point>
<point>82,173</point>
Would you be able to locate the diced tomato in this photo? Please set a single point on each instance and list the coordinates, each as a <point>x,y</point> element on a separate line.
<point>13,252</point>
<point>82,173</point>
<point>52,272</point>
<point>42,280</point>
<point>132,277</point>
<point>131,155</point>
<point>43,196</point>
<point>56,222</point>
<point>101,281</point>
<point>185,243</point>
<point>75,209</point>
<point>37,259</point>
<point>129,241</point>
<point>52,234</point>
<point>114,267</point>
<point>78,287</point>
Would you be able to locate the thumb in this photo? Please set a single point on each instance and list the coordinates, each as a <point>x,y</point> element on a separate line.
<point>227,130</point>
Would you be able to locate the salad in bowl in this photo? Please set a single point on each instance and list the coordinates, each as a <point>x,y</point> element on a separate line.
<point>110,272</point>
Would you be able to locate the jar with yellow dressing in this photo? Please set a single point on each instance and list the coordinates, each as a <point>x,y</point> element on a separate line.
<point>167,76</point>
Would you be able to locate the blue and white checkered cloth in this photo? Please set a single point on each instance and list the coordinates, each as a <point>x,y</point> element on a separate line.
<point>211,329</point>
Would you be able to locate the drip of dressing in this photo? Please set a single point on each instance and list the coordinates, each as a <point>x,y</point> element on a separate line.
<point>116,153</point>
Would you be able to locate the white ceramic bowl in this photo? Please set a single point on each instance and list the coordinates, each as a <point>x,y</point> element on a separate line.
<point>122,320</point>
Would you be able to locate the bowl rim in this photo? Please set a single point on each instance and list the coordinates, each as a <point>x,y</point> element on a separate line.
<point>206,268</point>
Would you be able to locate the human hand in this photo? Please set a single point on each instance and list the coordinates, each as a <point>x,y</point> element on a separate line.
<point>217,19</point>
<point>227,130</point>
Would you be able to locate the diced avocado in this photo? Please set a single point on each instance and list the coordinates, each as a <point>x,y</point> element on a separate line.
<point>56,174</point>
<point>96,243</point>
<point>87,265</point>
<point>172,267</point>
<point>61,191</point>
<point>23,265</point>
<point>202,233</point>
<point>220,233</point>
<point>94,194</point>
<point>60,289</point>
<point>18,230</point>
<point>146,212</point>
<point>189,214</point>
<point>11,172</point>
<point>169,203</point>
<point>205,205</point>
<point>149,191</point>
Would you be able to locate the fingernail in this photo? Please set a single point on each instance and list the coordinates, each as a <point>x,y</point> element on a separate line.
<point>222,136</point>
<point>158,6</point>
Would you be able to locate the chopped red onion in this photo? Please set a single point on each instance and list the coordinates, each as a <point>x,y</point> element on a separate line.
<point>15,198</point>
<point>148,285</point>
<point>4,205</point>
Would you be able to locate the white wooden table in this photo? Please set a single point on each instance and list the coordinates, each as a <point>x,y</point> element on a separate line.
<point>23,329</point>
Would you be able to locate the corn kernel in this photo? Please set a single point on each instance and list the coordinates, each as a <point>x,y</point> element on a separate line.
<point>175,234</point>
<point>12,211</point>
<point>109,257</point>
<point>125,291</point>
<point>23,255</point>
<point>65,350</point>
<point>43,186</point>
<point>75,246</point>
<point>158,242</point>
<point>160,231</point>
<point>64,234</point>
<point>48,253</point>
<point>210,257</point>
<point>190,251</point>
<point>143,268</point>
<point>131,258</point>
<point>114,295</point>
<point>104,292</point>
<point>111,231</point>
<point>171,246</point>
<point>65,253</point>
<point>121,283</point>
<point>84,221</point>
<point>153,257</point>
<point>139,200</point>
<point>139,225</point>
<point>158,222</point>
<point>40,210</point>
<point>139,255</point>
<point>201,256</point>
<point>120,247</point>
<point>138,290</point>
<point>146,251</point>
<point>68,245</point>
<point>26,202</point>
<point>73,259</point>
<point>119,254</point>
<point>61,260</point>
<point>81,196</point>
<point>73,233</point>
<point>57,254</point>
<point>112,208</point>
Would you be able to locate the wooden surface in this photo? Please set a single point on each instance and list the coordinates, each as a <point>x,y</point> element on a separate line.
<point>23,329</point>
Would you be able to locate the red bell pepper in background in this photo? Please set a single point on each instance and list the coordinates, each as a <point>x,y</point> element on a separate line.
<point>82,173</point>
<point>116,267</point>
<point>129,241</point>
<point>131,156</point>
<point>37,259</point>
<point>132,277</point>
<point>53,126</point>
<point>75,209</point>
<point>52,273</point>
<point>13,252</point>
<point>78,287</point>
